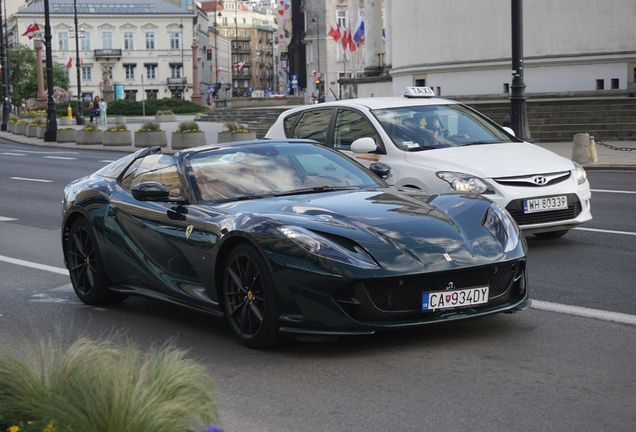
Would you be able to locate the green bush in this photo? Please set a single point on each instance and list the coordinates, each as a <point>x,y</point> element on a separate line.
<point>133,108</point>
<point>103,386</point>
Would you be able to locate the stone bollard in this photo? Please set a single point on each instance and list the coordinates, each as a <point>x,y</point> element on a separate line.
<point>584,148</point>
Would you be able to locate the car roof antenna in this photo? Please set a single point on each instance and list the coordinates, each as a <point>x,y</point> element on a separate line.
<point>334,95</point>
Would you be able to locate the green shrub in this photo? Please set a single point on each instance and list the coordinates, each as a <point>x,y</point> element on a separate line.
<point>133,108</point>
<point>103,386</point>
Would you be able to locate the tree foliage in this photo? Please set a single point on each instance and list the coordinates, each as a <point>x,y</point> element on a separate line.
<point>23,74</point>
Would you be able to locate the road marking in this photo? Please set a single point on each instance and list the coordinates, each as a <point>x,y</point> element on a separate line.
<point>47,152</point>
<point>14,154</point>
<point>59,157</point>
<point>31,179</point>
<point>106,161</point>
<point>6,219</point>
<point>584,312</point>
<point>607,231</point>
<point>613,191</point>
<point>37,266</point>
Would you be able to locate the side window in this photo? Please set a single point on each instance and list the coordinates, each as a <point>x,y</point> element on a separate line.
<point>288,124</point>
<point>351,125</point>
<point>313,125</point>
<point>158,168</point>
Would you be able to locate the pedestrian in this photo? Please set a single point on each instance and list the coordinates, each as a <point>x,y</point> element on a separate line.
<point>312,99</point>
<point>91,110</point>
<point>96,108</point>
<point>102,111</point>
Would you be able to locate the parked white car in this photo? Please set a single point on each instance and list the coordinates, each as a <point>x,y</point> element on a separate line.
<point>440,145</point>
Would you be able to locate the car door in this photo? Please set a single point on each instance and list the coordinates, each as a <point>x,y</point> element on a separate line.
<point>144,234</point>
<point>350,125</point>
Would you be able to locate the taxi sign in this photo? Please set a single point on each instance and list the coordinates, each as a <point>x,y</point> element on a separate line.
<point>415,92</point>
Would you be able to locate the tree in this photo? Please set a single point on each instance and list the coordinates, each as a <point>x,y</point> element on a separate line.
<point>23,75</point>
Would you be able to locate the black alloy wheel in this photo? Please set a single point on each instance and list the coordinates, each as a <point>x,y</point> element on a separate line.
<point>250,299</point>
<point>86,268</point>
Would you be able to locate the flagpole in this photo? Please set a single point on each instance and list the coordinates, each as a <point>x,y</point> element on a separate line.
<point>6,52</point>
<point>79,114</point>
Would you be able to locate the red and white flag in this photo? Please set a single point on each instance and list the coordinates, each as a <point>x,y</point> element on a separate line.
<point>218,71</point>
<point>334,32</point>
<point>238,66</point>
<point>69,62</point>
<point>81,60</point>
<point>31,29</point>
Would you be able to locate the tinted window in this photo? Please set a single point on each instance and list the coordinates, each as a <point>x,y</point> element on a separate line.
<point>351,125</point>
<point>158,168</point>
<point>289,123</point>
<point>313,125</point>
<point>114,169</point>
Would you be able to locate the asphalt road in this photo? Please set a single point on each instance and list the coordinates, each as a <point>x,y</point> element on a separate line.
<point>538,370</point>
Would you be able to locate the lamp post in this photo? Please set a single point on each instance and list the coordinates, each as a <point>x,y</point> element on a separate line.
<point>79,113</point>
<point>315,19</point>
<point>182,65</point>
<point>216,56</point>
<point>518,112</point>
<point>6,53</point>
<point>238,71</point>
<point>5,78</point>
<point>50,134</point>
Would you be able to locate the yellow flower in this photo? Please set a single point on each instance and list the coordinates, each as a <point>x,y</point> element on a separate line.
<point>13,429</point>
<point>50,428</point>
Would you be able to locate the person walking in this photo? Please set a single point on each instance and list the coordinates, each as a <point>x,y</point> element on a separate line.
<point>102,111</point>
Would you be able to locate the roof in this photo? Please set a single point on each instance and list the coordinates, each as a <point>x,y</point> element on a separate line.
<point>211,5</point>
<point>106,7</point>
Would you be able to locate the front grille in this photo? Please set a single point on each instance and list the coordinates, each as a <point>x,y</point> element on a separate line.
<point>573,210</point>
<point>405,294</point>
<point>539,180</point>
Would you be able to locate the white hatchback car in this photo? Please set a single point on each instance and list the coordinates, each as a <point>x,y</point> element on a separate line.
<point>442,145</point>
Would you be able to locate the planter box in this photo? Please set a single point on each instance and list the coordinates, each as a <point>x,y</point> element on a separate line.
<point>118,138</point>
<point>10,127</point>
<point>39,132</point>
<point>149,139</point>
<point>88,137</point>
<point>64,121</point>
<point>165,118</point>
<point>185,140</point>
<point>30,131</point>
<point>235,136</point>
<point>120,120</point>
<point>64,136</point>
<point>19,129</point>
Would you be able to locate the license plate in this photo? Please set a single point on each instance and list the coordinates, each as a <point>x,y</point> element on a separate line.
<point>545,204</point>
<point>456,298</point>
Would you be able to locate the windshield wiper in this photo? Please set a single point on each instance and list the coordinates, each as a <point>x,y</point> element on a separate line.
<point>316,189</point>
<point>480,142</point>
<point>416,149</point>
<point>243,198</point>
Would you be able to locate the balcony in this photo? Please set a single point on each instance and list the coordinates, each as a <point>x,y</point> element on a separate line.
<point>107,54</point>
<point>177,83</point>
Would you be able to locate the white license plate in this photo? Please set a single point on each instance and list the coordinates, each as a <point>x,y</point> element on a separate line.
<point>457,298</point>
<point>545,204</point>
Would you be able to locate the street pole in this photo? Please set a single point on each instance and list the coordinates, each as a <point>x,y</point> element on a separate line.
<point>518,112</point>
<point>143,97</point>
<point>238,71</point>
<point>50,134</point>
<point>6,53</point>
<point>79,113</point>
<point>216,57</point>
<point>315,19</point>
<point>5,86</point>
<point>182,64</point>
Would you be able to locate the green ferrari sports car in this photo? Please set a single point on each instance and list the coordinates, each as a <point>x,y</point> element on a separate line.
<point>286,238</point>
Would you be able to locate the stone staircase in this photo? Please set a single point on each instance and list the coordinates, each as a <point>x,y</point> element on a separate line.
<point>257,120</point>
<point>610,118</point>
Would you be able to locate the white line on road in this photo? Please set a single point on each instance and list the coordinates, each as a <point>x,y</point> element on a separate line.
<point>584,312</point>
<point>6,219</point>
<point>613,191</point>
<point>59,157</point>
<point>14,154</point>
<point>31,179</point>
<point>106,161</point>
<point>607,231</point>
<point>33,265</point>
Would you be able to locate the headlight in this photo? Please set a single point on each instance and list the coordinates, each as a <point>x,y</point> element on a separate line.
<point>580,173</point>
<point>325,248</point>
<point>499,222</point>
<point>466,182</point>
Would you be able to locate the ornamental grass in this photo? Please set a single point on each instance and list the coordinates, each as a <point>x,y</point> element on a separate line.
<point>91,127</point>
<point>188,126</point>
<point>150,126</point>
<point>103,386</point>
<point>117,128</point>
<point>234,127</point>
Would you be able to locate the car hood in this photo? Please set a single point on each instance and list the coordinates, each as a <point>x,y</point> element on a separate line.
<point>493,160</point>
<point>403,231</point>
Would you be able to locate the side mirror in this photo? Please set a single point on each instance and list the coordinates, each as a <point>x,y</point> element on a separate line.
<point>364,145</point>
<point>153,191</point>
<point>381,170</point>
<point>510,131</point>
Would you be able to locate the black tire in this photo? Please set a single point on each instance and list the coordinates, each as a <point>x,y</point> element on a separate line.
<point>551,234</point>
<point>86,268</point>
<point>249,298</point>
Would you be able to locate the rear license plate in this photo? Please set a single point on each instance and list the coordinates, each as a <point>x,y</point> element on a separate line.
<point>545,204</point>
<point>457,298</point>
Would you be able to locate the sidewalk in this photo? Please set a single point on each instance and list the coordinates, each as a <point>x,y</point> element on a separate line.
<point>608,158</point>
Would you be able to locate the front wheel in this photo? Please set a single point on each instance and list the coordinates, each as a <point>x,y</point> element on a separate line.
<point>250,299</point>
<point>86,268</point>
<point>551,234</point>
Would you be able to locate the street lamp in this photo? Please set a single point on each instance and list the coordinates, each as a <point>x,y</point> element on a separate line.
<point>79,114</point>
<point>216,57</point>
<point>50,134</point>
<point>238,71</point>
<point>518,112</point>
<point>315,19</point>
<point>182,65</point>
<point>5,78</point>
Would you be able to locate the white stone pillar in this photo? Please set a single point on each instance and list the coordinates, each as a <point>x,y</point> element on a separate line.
<point>388,30</point>
<point>372,37</point>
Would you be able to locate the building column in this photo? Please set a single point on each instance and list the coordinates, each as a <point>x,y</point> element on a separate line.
<point>373,37</point>
<point>196,95</point>
<point>388,30</point>
<point>41,97</point>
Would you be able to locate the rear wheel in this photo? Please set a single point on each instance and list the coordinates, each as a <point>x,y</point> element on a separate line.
<point>551,234</point>
<point>250,299</point>
<point>86,267</point>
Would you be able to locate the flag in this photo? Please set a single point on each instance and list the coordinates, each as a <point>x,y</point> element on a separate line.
<point>30,29</point>
<point>81,60</point>
<point>218,71</point>
<point>69,62</point>
<point>358,31</point>
<point>344,39</point>
<point>238,66</point>
<point>210,89</point>
<point>334,32</point>
<point>350,43</point>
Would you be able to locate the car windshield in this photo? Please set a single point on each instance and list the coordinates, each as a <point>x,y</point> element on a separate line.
<point>427,127</point>
<point>269,169</point>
